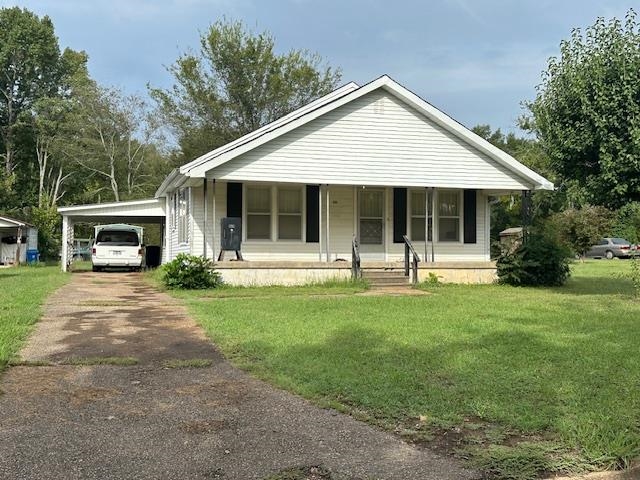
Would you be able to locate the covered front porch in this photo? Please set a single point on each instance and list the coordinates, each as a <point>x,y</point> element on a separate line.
<point>298,233</point>
<point>318,223</point>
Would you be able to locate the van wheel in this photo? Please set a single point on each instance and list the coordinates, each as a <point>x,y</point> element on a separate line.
<point>95,269</point>
<point>609,255</point>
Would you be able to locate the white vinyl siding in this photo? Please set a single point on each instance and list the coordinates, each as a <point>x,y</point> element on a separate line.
<point>374,140</point>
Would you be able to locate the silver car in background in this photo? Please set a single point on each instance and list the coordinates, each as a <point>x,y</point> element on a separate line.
<point>612,247</point>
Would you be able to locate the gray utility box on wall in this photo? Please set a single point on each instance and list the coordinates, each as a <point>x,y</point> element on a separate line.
<point>231,238</point>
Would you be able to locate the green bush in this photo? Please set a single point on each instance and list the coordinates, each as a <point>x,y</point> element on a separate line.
<point>627,222</point>
<point>190,272</point>
<point>540,260</point>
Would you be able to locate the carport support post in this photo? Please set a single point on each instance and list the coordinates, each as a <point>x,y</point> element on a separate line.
<point>65,244</point>
<point>526,214</point>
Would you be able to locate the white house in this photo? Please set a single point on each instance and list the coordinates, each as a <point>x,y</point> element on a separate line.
<point>372,163</point>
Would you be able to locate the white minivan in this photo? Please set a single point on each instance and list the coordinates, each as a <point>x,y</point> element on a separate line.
<point>117,245</point>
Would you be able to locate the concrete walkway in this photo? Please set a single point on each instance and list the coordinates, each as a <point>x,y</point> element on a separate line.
<point>63,417</point>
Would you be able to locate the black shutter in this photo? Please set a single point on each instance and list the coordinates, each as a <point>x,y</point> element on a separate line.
<point>313,213</point>
<point>234,200</point>
<point>470,216</point>
<point>399,214</point>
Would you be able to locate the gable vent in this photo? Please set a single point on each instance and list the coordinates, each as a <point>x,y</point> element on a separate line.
<point>378,106</point>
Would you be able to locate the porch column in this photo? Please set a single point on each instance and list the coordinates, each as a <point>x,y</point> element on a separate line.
<point>205,199</point>
<point>526,213</point>
<point>213,226</point>
<point>320,223</point>
<point>65,246</point>
<point>327,230</point>
<point>433,222</point>
<point>426,224</point>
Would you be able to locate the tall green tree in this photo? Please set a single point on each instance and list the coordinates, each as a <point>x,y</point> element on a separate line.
<point>29,69</point>
<point>587,111</point>
<point>235,84</point>
<point>113,139</point>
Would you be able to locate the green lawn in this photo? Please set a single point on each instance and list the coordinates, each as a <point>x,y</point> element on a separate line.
<point>523,381</point>
<point>22,292</point>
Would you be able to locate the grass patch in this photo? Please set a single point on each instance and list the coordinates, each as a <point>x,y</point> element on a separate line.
<point>188,363</point>
<point>118,361</point>
<point>529,380</point>
<point>22,293</point>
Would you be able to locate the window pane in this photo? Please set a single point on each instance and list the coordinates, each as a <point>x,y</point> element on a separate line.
<point>289,200</point>
<point>259,200</point>
<point>370,232</point>
<point>290,227</point>
<point>418,203</point>
<point>448,203</point>
<point>371,203</point>
<point>417,229</point>
<point>448,230</point>
<point>259,227</point>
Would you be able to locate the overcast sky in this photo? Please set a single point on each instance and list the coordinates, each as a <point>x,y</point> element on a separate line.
<point>476,60</point>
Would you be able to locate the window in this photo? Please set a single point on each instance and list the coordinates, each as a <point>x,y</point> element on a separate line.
<point>448,216</point>
<point>183,215</point>
<point>418,204</point>
<point>173,212</point>
<point>258,213</point>
<point>289,214</point>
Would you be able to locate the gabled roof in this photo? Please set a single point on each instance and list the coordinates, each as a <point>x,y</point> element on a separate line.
<point>350,92</point>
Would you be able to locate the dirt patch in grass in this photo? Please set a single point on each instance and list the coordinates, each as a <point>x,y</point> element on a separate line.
<point>199,427</point>
<point>83,396</point>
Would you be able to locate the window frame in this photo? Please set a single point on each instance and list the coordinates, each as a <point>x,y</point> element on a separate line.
<point>460,216</point>
<point>301,214</point>
<point>246,213</point>
<point>274,212</point>
<point>428,215</point>
<point>183,212</point>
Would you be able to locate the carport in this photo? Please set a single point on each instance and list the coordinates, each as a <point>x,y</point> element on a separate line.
<point>136,212</point>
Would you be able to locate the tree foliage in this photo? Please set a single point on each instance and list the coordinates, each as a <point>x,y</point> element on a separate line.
<point>587,111</point>
<point>581,228</point>
<point>235,84</point>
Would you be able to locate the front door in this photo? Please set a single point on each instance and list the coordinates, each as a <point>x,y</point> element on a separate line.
<point>371,221</point>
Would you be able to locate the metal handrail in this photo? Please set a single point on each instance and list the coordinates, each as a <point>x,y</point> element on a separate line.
<point>356,269</point>
<point>415,259</point>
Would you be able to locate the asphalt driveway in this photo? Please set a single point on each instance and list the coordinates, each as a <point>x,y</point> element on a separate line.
<point>97,397</point>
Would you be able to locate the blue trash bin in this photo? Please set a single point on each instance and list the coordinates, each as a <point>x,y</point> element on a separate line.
<point>32,256</point>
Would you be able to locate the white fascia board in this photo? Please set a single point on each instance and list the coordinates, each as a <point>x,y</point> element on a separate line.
<point>444,120</point>
<point>173,181</point>
<point>13,222</point>
<point>89,206</point>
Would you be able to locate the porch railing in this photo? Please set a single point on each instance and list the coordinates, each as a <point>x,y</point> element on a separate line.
<point>412,263</point>
<point>356,269</point>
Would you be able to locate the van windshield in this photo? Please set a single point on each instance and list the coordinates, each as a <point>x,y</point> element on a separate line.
<point>118,238</point>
